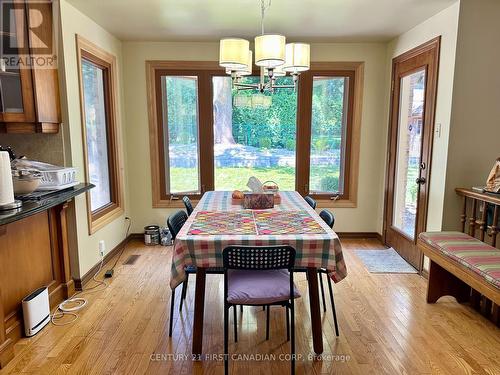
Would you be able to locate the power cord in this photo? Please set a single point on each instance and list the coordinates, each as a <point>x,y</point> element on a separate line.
<point>109,273</point>
<point>77,303</point>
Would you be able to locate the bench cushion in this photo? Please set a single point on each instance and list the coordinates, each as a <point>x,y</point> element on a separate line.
<point>477,256</point>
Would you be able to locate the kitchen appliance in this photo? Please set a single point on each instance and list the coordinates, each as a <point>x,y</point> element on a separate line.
<point>36,311</point>
<point>7,201</point>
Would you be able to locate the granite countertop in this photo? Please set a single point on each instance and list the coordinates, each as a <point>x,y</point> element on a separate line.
<point>33,207</point>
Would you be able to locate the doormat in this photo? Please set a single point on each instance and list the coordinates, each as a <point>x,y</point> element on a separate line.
<point>384,261</point>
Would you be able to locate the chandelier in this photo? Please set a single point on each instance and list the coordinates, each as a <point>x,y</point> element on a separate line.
<point>273,55</point>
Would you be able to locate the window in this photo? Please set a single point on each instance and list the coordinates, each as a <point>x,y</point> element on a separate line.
<point>331,130</point>
<point>206,136</point>
<point>96,134</point>
<point>96,74</point>
<point>180,134</point>
<point>254,135</point>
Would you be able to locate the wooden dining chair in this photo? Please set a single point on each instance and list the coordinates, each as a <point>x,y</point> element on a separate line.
<point>188,205</point>
<point>310,201</point>
<point>175,223</point>
<point>248,273</point>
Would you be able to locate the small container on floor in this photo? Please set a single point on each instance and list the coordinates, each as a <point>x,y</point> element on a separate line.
<point>152,235</point>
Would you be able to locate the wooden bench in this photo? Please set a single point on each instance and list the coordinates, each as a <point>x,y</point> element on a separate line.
<point>454,271</point>
<point>465,268</point>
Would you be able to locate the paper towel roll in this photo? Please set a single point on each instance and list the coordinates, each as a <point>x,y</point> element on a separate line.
<point>6,187</point>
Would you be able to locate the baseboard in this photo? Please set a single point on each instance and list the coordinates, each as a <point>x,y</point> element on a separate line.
<point>136,236</point>
<point>79,283</point>
<point>376,235</point>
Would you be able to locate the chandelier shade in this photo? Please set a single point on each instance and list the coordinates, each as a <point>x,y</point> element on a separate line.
<point>273,56</point>
<point>246,71</point>
<point>233,53</point>
<point>297,58</point>
<point>270,50</point>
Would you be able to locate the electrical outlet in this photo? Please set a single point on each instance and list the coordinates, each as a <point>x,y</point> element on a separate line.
<point>102,247</point>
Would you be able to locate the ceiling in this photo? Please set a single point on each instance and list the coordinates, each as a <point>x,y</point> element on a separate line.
<point>307,20</point>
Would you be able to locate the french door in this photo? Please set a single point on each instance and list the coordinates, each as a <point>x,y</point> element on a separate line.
<point>414,83</point>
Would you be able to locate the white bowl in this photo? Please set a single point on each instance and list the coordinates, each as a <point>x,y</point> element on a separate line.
<point>25,185</point>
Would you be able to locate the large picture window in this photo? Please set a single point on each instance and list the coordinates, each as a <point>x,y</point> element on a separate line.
<point>254,135</point>
<point>207,136</point>
<point>97,98</point>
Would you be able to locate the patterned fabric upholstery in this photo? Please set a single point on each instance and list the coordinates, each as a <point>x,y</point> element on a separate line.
<point>478,256</point>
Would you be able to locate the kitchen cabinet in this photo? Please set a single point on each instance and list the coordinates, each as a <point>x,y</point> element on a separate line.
<point>34,253</point>
<point>29,87</point>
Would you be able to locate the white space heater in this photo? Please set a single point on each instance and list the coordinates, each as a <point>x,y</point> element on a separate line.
<point>36,311</point>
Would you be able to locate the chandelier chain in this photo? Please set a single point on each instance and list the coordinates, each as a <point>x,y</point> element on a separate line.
<point>264,5</point>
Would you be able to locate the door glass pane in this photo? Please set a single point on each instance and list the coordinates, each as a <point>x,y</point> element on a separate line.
<point>254,134</point>
<point>409,145</point>
<point>180,113</point>
<point>96,134</point>
<point>328,135</point>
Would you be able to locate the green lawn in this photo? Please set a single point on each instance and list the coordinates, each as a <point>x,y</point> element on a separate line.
<point>185,179</point>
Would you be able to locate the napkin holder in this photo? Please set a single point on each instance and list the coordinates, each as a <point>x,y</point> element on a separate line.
<point>258,201</point>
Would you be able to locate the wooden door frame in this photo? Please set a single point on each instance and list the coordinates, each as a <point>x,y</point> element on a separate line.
<point>432,77</point>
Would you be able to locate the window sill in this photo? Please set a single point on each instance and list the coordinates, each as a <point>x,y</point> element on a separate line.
<point>323,203</point>
<point>339,203</point>
<point>177,203</point>
<point>102,221</point>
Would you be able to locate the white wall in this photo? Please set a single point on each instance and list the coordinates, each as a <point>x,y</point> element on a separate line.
<point>74,22</point>
<point>443,24</point>
<point>364,218</point>
<point>475,132</point>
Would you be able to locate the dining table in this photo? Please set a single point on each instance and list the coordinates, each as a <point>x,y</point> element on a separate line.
<point>219,221</point>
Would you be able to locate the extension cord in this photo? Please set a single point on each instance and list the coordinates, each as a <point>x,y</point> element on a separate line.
<point>61,310</point>
<point>81,303</point>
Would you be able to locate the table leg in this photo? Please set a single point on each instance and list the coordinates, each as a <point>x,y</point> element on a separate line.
<point>199,309</point>
<point>317,332</point>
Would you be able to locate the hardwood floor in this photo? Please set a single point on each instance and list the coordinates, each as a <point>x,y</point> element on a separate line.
<point>386,327</point>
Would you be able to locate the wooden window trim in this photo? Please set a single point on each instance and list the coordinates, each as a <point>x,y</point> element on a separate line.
<point>99,218</point>
<point>355,72</point>
<point>155,68</point>
<point>154,71</point>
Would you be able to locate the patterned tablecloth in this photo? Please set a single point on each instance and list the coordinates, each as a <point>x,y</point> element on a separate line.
<point>216,223</point>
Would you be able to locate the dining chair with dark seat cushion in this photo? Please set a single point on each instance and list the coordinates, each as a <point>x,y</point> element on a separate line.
<point>311,202</point>
<point>249,271</point>
<point>329,219</point>
<point>175,223</point>
<point>188,205</point>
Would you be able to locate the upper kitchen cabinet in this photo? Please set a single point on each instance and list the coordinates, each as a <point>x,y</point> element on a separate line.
<point>29,88</point>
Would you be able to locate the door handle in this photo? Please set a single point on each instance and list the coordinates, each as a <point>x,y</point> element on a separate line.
<point>420,180</point>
